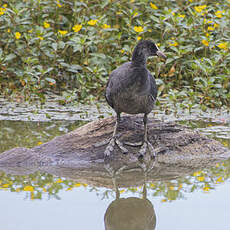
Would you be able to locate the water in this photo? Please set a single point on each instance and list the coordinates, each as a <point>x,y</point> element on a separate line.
<point>44,201</point>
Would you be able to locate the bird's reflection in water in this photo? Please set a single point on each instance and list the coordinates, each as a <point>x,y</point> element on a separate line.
<point>130,213</point>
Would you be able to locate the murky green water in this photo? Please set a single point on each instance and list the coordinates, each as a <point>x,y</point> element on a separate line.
<point>43,201</point>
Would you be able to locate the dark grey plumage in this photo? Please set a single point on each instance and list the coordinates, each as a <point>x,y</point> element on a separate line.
<point>131,88</point>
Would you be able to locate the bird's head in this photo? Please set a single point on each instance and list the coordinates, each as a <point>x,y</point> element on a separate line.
<point>149,48</point>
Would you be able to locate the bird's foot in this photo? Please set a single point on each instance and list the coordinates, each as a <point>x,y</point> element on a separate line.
<point>147,147</point>
<point>147,161</point>
<point>113,172</point>
<point>146,165</point>
<point>110,147</point>
<point>134,144</point>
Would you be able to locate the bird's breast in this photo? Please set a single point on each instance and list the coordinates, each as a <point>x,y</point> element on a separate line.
<point>133,104</point>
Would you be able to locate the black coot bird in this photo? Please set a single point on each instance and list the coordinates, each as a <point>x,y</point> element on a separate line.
<point>132,89</point>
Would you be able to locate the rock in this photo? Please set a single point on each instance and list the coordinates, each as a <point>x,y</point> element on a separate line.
<point>79,154</point>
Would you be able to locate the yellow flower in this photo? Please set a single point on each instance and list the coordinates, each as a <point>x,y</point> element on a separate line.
<point>92,22</point>
<point>40,143</point>
<point>139,38</point>
<point>153,6</point>
<point>216,25</point>
<point>41,38</point>
<point>197,173</point>
<point>77,27</point>
<point>210,22</point>
<point>17,35</point>
<point>223,45</point>
<point>181,15</point>
<point>122,51</point>
<point>58,3</point>
<point>46,25</point>
<point>105,26</point>
<point>173,44</point>
<point>135,14</point>
<point>200,8</point>
<point>9,30</point>
<point>62,32</point>
<point>28,188</point>
<point>205,42</point>
<point>210,28</point>
<point>2,11</point>
<point>219,14</point>
<point>207,34</point>
<point>138,29</point>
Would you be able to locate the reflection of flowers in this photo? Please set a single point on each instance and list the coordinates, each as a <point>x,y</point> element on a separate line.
<point>29,188</point>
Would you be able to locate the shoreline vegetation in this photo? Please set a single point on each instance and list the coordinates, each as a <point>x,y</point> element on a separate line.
<point>70,47</point>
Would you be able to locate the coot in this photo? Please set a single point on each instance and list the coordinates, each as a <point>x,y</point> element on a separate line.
<point>132,89</point>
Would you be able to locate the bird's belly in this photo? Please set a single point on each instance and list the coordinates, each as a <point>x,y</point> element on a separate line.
<point>134,104</point>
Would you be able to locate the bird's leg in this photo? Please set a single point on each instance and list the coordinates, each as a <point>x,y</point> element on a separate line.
<point>114,174</point>
<point>146,144</point>
<point>114,140</point>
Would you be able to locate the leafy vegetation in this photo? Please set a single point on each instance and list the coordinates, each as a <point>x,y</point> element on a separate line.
<point>72,46</point>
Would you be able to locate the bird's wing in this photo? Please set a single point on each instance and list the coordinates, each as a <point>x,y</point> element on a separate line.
<point>108,93</point>
<point>118,81</point>
<point>153,86</point>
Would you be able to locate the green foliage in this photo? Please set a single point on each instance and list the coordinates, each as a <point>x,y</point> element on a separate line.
<point>55,45</point>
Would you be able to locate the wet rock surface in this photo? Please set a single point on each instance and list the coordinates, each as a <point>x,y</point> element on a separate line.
<point>79,154</point>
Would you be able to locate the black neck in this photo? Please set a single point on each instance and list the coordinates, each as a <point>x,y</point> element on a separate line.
<point>138,58</point>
